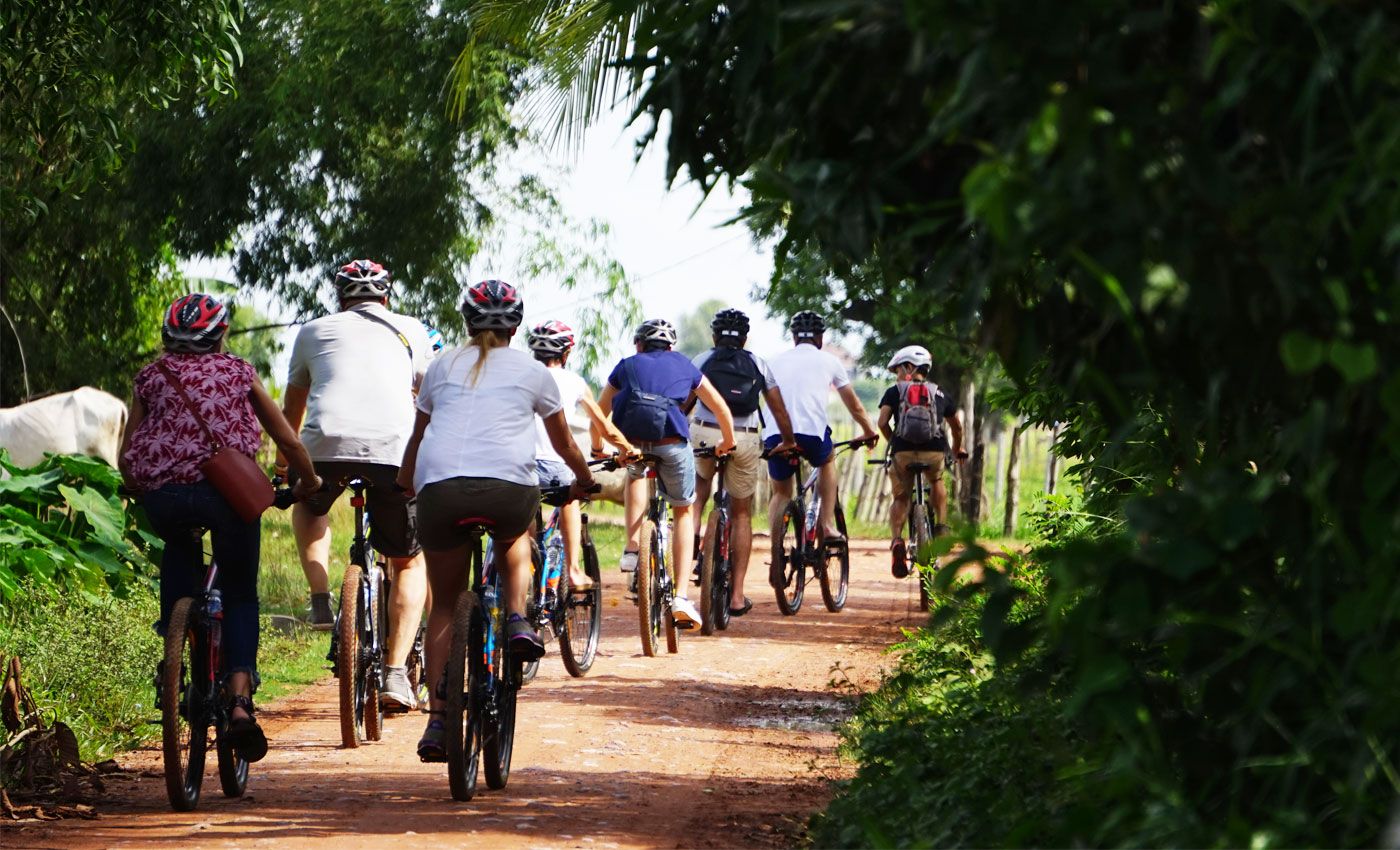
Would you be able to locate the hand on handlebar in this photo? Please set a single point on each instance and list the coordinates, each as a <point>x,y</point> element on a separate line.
<point>580,491</point>
<point>305,488</point>
<point>788,445</point>
<point>869,439</point>
<point>404,483</point>
<point>726,445</point>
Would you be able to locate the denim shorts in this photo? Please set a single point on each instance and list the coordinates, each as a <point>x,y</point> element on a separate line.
<point>815,450</point>
<point>675,474</point>
<point>552,473</point>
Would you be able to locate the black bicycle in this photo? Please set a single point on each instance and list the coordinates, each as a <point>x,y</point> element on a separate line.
<point>921,527</point>
<point>361,631</point>
<point>192,693</point>
<point>555,609</point>
<point>655,587</point>
<point>802,549</point>
<point>716,563</point>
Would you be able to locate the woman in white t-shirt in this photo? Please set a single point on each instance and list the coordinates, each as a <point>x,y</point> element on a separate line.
<point>472,454</point>
<point>551,343</point>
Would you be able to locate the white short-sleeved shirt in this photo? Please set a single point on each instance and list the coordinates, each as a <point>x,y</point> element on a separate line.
<point>806,375</point>
<point>572,389</point>
<point>361,379</point>
<point>753,420</point>
<point>486,429</point>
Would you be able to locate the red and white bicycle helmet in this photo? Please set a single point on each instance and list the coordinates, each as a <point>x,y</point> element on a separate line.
<point>551,339</point>
<point>363,279</point>
<point>493,305</point>
<point>194,324</point>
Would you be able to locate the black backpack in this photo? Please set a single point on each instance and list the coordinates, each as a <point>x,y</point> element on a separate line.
<point>737,377</point>
<point>644,416</point>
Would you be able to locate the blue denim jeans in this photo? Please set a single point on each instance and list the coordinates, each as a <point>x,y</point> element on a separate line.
<point>175,510</point>
<point>675,473</point>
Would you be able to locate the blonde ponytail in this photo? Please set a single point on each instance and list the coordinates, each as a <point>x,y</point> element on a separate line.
<point>485,341</point>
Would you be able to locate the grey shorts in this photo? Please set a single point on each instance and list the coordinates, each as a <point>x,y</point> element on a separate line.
<point>392,522</point>
<point>507,507</point>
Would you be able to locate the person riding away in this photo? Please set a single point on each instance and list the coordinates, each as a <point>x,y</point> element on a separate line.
<point>741,377</point>
<point>161,453</point>
<point>551,343</point>
<point>352,376</point>
<point>912,415</point>
<point>646,396</point>
<point>472,454</point>
<point>807,374</point>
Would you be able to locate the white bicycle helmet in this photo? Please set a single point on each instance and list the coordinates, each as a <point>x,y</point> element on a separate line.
<point>656,331</point>
<point>362,279</point>
<point>912,355</point>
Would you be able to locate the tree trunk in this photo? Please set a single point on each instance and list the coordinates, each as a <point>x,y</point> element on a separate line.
<point>1052,468</point>
<point>1013,482</point>
<point>1003,441</point>
<point>969,493</point>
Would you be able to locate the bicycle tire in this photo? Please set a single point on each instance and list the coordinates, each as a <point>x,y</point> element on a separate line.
<point>921,533</point>
<point>789,569</point>
<point>347,661</point>
<point>646,603</point>
<point>837,558</point>
<point>462,682</point>
<point>233,770</point>
<point>583,616</point>
<point>417,670</point>
<point>498,721</point>
<point>662,595</point>
<point>373,668</point>
<point>183,742</point>
<point>714,584</point>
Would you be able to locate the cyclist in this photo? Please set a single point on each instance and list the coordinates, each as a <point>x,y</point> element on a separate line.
<point>551,343</point>
<point>472,454</point>
<point>741,377</point>
<point>912,415</point>
<point>352,377</point>
<point>807,374</point>
<point>160,457</point>
<point>646,396</point>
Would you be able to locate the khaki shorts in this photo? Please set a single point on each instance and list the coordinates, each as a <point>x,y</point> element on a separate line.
<point>741,473</point>
<point>902,480</point>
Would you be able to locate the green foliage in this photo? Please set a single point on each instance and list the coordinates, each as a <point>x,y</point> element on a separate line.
<point>693,334</point>
<point>63,525</point>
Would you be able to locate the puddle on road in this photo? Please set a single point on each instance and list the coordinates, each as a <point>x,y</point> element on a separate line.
<point>798,715</point>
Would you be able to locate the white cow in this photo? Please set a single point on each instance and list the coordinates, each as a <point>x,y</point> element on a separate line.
<point>84,421</point>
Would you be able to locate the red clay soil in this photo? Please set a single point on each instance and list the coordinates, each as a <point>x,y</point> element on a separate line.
<point>730,743</point>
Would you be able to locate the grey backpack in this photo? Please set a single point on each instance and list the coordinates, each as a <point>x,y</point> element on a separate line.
<point>919,421</point>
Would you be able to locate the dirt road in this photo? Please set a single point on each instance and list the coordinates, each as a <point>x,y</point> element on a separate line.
<point>730,743</point>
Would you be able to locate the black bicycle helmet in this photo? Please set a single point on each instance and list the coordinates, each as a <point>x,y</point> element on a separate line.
<point>656,331</point>
<point>493,305</point>
<point>194,324</point>
<point>807,325</point>
<point>730,325</point>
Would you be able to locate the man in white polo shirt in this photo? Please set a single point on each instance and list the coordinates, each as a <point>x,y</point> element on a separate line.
<point>807,375</point>
<point>353,374</point>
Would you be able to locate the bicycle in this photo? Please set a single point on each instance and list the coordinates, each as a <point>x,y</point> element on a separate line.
<point>788,571</point>
<point>191,693</point>
<point>920,525</point>
<point>359,636</point>
<point>716,565</point>
<point>655,588</point>
<point>555,609</point>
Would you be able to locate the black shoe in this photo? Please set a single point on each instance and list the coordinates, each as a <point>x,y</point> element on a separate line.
<point>322,617</point>
<point>525,643</point>
<point>899,559</point>
<point>245,736</point>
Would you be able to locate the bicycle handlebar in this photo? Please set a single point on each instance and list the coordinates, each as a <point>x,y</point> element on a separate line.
<point>562,494</point>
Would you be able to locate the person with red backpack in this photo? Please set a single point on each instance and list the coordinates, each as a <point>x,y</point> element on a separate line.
<point>913,413</point>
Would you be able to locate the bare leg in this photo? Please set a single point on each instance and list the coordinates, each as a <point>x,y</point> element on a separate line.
<point>702,496</point>
<point>682,541</point>
<point>634,498</point>
<point>940,499</point>
<point>740,545</point>
<point>518,572</point>
<point>313,535</point>
<point>446,576</point>
<point>571,524</point>
<point>899,512</point>
<point>405,607</point>
<point>240,685</point>
<point>826,485</point>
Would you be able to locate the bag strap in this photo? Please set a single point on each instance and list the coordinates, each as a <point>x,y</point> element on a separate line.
<point>390,325</point>
<point>174,381</point>
<point>631,370</point>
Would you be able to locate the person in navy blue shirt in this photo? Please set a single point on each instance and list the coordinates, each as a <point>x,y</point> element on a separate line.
<point>631,398</point>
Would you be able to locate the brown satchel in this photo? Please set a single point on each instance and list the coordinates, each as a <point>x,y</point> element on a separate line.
<point>237,477</point>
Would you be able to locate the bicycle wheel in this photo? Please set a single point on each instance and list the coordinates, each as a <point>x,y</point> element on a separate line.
<point>375,623</point>
<point>920,533</point>
<point>788,573</point>
<point>648,606</point>
<point>662,592</point>
<point>836,571</point>
<point>583,616</point>
<point>347,661</point>
<point>463,682</point>
<point>183,714</point>
<point>417,671</point>
<point>530,669</point>
<point>714,577</point>
<point>498,719</point>
<point>233,771</point>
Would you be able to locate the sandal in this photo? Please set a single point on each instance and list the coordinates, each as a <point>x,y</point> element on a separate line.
<point>244,736</point>
<point>742,610</point>
<point>432,747</point>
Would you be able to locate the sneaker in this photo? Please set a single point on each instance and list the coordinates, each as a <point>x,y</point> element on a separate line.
<point>899,559</point>
<point>397,693</point>
<point>322,617</point>
<point>432,747</point>
<point>686,615</point>
<point>629,562</point>
<point>525,643</point>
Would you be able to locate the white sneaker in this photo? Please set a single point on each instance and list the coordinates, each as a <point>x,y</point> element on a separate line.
<point>687,616</point>
<point>629,562</point>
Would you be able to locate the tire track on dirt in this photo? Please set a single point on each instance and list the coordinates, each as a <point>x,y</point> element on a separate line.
<point>730,743</point>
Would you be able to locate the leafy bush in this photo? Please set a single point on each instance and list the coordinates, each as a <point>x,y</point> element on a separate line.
<point>63,524</point>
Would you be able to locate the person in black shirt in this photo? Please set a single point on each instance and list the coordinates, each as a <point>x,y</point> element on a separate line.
<point>921,438</point>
